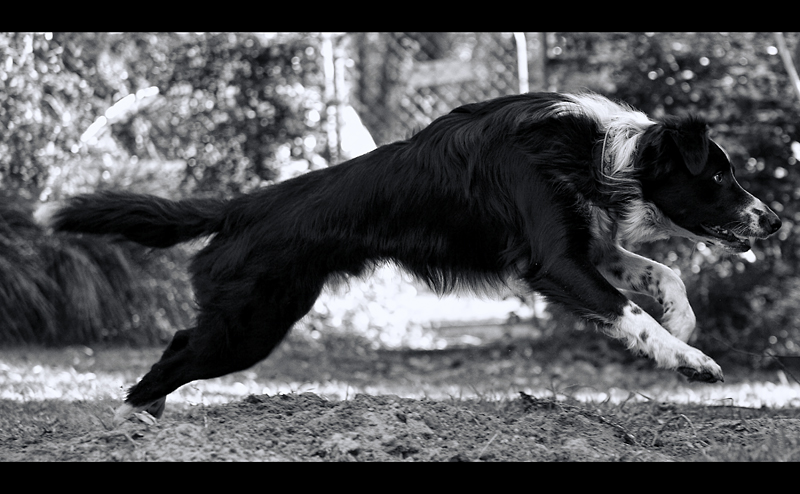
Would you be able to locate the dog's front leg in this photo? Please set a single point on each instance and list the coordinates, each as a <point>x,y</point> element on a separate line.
<point>630,271</point>
<point>642,333</point>
<point>585,291</point>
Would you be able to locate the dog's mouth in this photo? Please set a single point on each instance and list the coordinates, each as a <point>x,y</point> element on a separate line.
<point>726,238</point>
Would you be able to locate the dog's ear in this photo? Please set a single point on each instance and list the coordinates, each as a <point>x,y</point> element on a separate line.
<point>690,136</point>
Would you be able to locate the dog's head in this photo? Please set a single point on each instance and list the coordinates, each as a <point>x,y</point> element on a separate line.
<point>690,179</point>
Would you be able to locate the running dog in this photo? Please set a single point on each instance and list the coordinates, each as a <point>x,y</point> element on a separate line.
<point>542,188</point>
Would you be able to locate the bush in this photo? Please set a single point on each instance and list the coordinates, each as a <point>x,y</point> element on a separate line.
<point>232,109</point>
<point>229,110</point>
<point>739,84</point>
<point>63,289</point>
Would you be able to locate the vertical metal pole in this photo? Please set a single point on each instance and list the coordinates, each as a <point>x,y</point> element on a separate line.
<point>331,110</point>
<point>340,93</point>
<point>522,62</point>
<point>787,62</point>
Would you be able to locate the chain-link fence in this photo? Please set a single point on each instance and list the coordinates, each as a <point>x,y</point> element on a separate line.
<point>400,82</point>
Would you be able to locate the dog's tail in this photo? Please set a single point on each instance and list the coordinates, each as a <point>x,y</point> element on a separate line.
<point>145,219</point>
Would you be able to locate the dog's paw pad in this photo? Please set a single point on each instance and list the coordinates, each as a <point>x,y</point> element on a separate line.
<point>706,376</point>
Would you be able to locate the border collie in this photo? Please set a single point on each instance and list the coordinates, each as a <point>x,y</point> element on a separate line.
<point>543,188</point>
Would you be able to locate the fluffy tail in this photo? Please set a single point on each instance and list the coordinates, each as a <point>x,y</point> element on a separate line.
<point>144,219</point>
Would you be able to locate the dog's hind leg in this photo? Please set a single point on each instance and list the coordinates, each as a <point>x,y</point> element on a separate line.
<point>155,407</point>
<point>229,337</point>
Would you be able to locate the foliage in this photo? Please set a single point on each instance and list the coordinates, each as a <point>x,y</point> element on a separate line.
<point>737,82</point>
<point>41,105</point>
<point>232,112</point>
<point>232,106</point>
<point>170,114</point>
<point>64,289</point>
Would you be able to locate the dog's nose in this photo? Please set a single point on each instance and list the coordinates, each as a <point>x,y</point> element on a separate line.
<point>769,221</point>
<point>775,223</point>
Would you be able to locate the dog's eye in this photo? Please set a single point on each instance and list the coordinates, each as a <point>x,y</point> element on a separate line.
<point>718,177</point>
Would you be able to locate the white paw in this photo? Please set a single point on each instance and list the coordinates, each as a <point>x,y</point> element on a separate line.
<point>122,413</point>
<point>697,366</point>
<point>680,322</point>
<point>155,409</point>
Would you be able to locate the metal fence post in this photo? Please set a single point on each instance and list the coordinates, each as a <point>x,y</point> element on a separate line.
<point>522,62</point>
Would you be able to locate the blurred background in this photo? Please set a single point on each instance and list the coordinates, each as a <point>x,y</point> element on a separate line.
<point>220,114</point>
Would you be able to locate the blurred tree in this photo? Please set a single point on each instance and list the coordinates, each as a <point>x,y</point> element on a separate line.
<point>41,105</point>
<point>238,107</point>
<point>230,109</point>
<point>233,111</point>
<point>788,63</point>
<point>738,83</point>
<point>233,107</point>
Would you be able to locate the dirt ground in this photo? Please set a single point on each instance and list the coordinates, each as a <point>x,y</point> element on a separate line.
<point>519,425</point>
<point>306,427</point>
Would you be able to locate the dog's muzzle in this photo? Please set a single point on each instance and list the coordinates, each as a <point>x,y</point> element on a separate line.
<point>759,222</point>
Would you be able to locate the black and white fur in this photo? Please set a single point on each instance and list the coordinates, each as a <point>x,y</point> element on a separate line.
<point>542,188</point>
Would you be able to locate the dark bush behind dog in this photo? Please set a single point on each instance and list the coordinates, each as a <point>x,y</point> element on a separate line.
<point>61,289</point>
